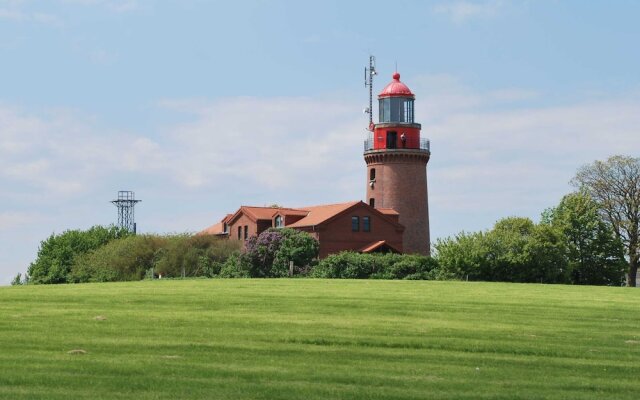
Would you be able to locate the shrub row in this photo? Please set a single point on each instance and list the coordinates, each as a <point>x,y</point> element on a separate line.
<point>350,265</point>
<point>134,257</point>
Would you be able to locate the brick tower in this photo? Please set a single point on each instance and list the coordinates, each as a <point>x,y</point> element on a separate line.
<point>397,160</point>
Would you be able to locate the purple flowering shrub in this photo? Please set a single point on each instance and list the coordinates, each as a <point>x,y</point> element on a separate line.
<point>270,252</point>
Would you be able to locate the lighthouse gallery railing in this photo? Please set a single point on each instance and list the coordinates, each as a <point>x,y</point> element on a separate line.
<point>424,145</point>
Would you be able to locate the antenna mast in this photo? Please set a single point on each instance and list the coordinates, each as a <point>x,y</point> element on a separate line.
<point>368,81</point>
<point>126,203</point>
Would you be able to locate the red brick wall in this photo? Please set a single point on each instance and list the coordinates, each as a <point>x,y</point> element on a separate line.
<point>241,222</point>
<point>337,235</point>
<point>401,184</point>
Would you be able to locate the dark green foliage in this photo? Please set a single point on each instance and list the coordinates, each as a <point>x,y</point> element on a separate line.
<point>515,250</point>
<point>170,256</point>
<point>350,265</point>
<point>199,255</point>
<point>237,265</point>
<point>595,254</point>
<point>125,259</point>
<point>296,246</point>
<point>346,264</point>
<point>57,253</point>
<point>463,256</point>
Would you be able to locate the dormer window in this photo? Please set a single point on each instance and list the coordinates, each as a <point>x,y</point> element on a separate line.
<point>278,222</point>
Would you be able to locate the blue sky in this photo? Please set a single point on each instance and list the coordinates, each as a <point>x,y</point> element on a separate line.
<point>201,106</point>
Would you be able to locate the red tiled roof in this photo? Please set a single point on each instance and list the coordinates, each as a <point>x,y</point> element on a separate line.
<point>311,216</point>
<point>265,213</point>
<point>259,212</point>
<point>216,229</point>
<point>376,245</point>
<point>320,214</point>
<point>388,211</point>
<point>291,211</point>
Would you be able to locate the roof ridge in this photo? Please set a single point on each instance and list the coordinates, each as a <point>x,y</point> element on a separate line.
<point>332,204</point>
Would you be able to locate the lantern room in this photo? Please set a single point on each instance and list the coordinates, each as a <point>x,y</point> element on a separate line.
<point>396,127</point>
<point>395,102</point>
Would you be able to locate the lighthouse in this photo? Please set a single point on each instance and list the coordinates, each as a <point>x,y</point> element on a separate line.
<point>396,158</point>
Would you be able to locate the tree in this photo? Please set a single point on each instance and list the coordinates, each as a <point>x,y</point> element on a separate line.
<point>515,250</point>
<point>595,254</point>
<point>614,185</point>
<point>521,251</point>
<point>17,280</point>
<point>56,254</point>
<point>296,246</point>
<point>463,256</point>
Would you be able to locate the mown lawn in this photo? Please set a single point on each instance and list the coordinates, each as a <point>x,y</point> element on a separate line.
<point>312,339</point>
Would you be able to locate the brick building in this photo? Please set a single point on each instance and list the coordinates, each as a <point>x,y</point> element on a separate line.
<point>396,215</point>
<point>337,227</point>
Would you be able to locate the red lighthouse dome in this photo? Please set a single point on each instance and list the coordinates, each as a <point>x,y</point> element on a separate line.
<point>396,89</point>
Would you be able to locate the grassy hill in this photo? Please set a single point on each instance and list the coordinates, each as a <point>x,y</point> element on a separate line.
<point>312,339</point>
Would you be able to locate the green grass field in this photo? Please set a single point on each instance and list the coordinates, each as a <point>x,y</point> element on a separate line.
<point>311,339</point>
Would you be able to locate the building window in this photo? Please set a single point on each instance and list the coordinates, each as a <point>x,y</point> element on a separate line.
<point>372,174</point>
<point>246,232</point>
<point>372,202</point>
<point>366,224</point>
<point>239,232</point>
<point>278,223</point>
<point>226,228</point>
<point>355,224</point>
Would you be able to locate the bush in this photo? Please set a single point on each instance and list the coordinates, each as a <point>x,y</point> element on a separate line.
<point>415,267</point>
<point>135,257</point>
<point>269,254</point>
<point>351,265</point>
<point>124,259</point>
<point>296,246</point>
<point>237,265</point>
<point>515,250</point>
<point>57,253</point>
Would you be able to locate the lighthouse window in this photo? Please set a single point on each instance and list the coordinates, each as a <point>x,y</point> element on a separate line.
<point>408,111</point>
<point>372,174</point>
<point>355,224</point>
<point>385,110</point>
<point>396,109</point>
<point>366,224</point>
<point>372,202</point>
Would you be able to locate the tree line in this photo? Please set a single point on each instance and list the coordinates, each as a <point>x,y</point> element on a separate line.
<point>590,237</point>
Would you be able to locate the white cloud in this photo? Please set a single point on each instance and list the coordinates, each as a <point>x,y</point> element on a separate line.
<point>119,6</point>
<point>15,219</point>
<point>502,153</point>
<point>462,10</point>
<point>60,153</point>
<point>275,143</point>
<point>17,15</point>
